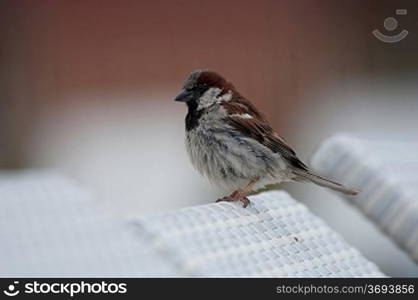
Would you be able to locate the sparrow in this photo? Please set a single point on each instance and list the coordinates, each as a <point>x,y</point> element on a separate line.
<point>231,143</point>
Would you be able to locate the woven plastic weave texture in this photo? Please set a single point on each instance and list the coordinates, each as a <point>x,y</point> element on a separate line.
<point>386,172</point>
<point>274,236</point>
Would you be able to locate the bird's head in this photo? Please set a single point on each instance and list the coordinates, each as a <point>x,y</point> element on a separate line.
<point>203,88</point>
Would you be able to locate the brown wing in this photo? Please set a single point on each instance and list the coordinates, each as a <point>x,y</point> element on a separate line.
<point>259,129</point>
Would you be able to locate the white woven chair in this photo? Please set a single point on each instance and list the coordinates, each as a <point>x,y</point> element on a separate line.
<point>51,227</point>
<point>386,172</point>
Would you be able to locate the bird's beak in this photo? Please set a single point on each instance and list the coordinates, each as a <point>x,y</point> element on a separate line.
<point>184,96</point>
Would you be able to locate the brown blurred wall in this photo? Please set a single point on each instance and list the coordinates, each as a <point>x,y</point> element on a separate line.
<point>274,52</point>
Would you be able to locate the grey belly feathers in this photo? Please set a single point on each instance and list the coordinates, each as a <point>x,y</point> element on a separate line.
<point>230,159</point>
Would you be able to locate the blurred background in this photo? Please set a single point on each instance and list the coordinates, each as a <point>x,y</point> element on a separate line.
<point>87,88</point>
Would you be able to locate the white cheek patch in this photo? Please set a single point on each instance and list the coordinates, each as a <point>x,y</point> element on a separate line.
<point>226,97</point>
<point>242,116</point>
<point>210,97</point>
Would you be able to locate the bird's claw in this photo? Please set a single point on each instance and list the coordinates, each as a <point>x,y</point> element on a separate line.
<point>245,201</point>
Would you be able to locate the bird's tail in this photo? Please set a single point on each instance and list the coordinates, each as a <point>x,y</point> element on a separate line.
<point>304,175</point>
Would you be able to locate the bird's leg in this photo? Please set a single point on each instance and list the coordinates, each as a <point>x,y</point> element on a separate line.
<point>240,194</point>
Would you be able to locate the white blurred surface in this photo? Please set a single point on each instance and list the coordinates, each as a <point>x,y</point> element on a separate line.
<point>275,236</point>
<point>386,173</point>
<point>50,227</point>
<point>377,109</point>
<point>132,156</point>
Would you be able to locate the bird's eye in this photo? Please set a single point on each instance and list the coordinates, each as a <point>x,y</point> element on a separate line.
<point>202,86</point>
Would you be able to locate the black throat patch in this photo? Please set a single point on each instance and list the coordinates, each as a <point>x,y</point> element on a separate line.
<point>193,115</point>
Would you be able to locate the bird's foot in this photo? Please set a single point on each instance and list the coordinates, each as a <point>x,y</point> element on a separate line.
<point>245,202</point>
<point>234,197</point>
